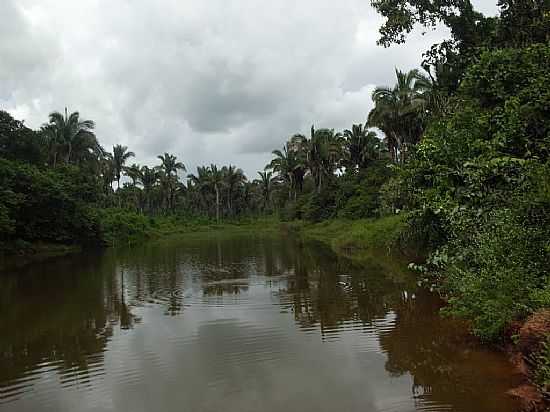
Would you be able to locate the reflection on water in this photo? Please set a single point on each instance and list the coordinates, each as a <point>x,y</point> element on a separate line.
<point>234,323</point>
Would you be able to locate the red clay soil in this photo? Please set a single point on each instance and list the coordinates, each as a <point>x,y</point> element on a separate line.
<point>530,336</point>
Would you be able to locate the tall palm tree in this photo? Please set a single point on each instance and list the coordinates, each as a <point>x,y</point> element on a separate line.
<point>133,172</point>
<point>283,164</point>
<point>297,145</point>
<point>234,178</point>
<point>362,146</point>
<point>398,111</point>
<point>120,156</point>
<point>170,166</point>
<point>148,177</point>
<point>216,180</point>
<point>324,154</point>
<point>199,183</point>
<point>266,183</point>
<point>107,172</point>
<point>69,131</point>
<point>51,141</point>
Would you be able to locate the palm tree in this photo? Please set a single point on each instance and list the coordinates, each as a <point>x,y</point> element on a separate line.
<point>297,145</point>
<point>133,172</point>
<point>362,146</point>
<point>283,164</point>
<point>107,172</point>
<point>148,177</point>
<point>266,181</point>
<point>51,141</point>
<point>234,178</point>
<point>324,154</point>
<point>215,179</point>
<point>199,183</point>
<point>169,165</point>
<point>68,132</point>
<point>120,156</point>
<point>398,111</point>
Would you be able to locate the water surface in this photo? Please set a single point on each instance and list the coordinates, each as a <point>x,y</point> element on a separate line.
<point>235,323</point>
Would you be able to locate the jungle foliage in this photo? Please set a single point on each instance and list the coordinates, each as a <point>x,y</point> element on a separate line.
<point>476,185</point>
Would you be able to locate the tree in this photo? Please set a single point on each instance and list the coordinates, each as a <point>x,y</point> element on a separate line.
<point>362,146</point>
<point>398,112</point>
<point>120,156</point>
<point>466,25</point>
<point>169,177</point>
<point>266,180</point>
<point>72,133</point>
<point>18,142</point>
<point>169,164</point>
<point>149,178</point>
<point>133,172</point>
<point>107,172</point>
<point>216,180</point>
<point>234,178</point>
<point>297,146</point>
<point>324,154</point>
<point>284,164</point>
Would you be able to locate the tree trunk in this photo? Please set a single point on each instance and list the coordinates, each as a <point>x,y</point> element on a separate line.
<point>69,150</point>
<point>217,203</point>
<point>229,206</point>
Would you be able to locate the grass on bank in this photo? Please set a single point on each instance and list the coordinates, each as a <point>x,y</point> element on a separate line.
<point>122,227</point>
<point>381,234</point>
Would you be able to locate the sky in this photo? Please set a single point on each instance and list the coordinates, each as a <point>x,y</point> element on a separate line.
<point>211,81</point>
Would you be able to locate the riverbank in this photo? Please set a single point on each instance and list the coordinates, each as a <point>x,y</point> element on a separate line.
<point>525,341</point>
<point>122,228</point>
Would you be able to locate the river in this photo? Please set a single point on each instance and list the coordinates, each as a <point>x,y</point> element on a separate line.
<point>235,322</point>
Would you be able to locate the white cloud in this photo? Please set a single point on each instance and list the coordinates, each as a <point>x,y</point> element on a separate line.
<point>211,81</point>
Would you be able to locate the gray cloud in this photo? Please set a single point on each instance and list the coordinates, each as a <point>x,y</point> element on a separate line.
<point>211,81</point>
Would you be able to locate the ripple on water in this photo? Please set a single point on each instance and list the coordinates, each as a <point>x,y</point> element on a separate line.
<point>258,322</point>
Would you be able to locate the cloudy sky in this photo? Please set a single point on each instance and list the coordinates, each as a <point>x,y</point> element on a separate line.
<point>223,81</point>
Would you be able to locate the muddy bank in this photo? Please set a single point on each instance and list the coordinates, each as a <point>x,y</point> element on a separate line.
<point>524,343</point>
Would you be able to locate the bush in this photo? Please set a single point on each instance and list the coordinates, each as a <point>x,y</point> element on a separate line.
<point>52,205</point>
<point>358,192</point>
<point>480,190</point>
<point>120,226</point>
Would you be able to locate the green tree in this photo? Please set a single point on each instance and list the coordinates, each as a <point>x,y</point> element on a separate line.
<point>120,157</point>
<point>362,147</point>
<point>169,176</point>
<point>133,172</point>
<point>72,135</point>
<point>234,179</point>
<point>398,112</point>
<point>216,180</point>
<point>149,178</point>
<point>266,183</point>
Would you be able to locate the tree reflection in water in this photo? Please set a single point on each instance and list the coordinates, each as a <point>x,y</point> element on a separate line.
<point>63,314</point>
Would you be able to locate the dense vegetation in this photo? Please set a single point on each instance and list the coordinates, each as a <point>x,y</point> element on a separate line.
<point>459,149</point>
<point>60,185</point>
